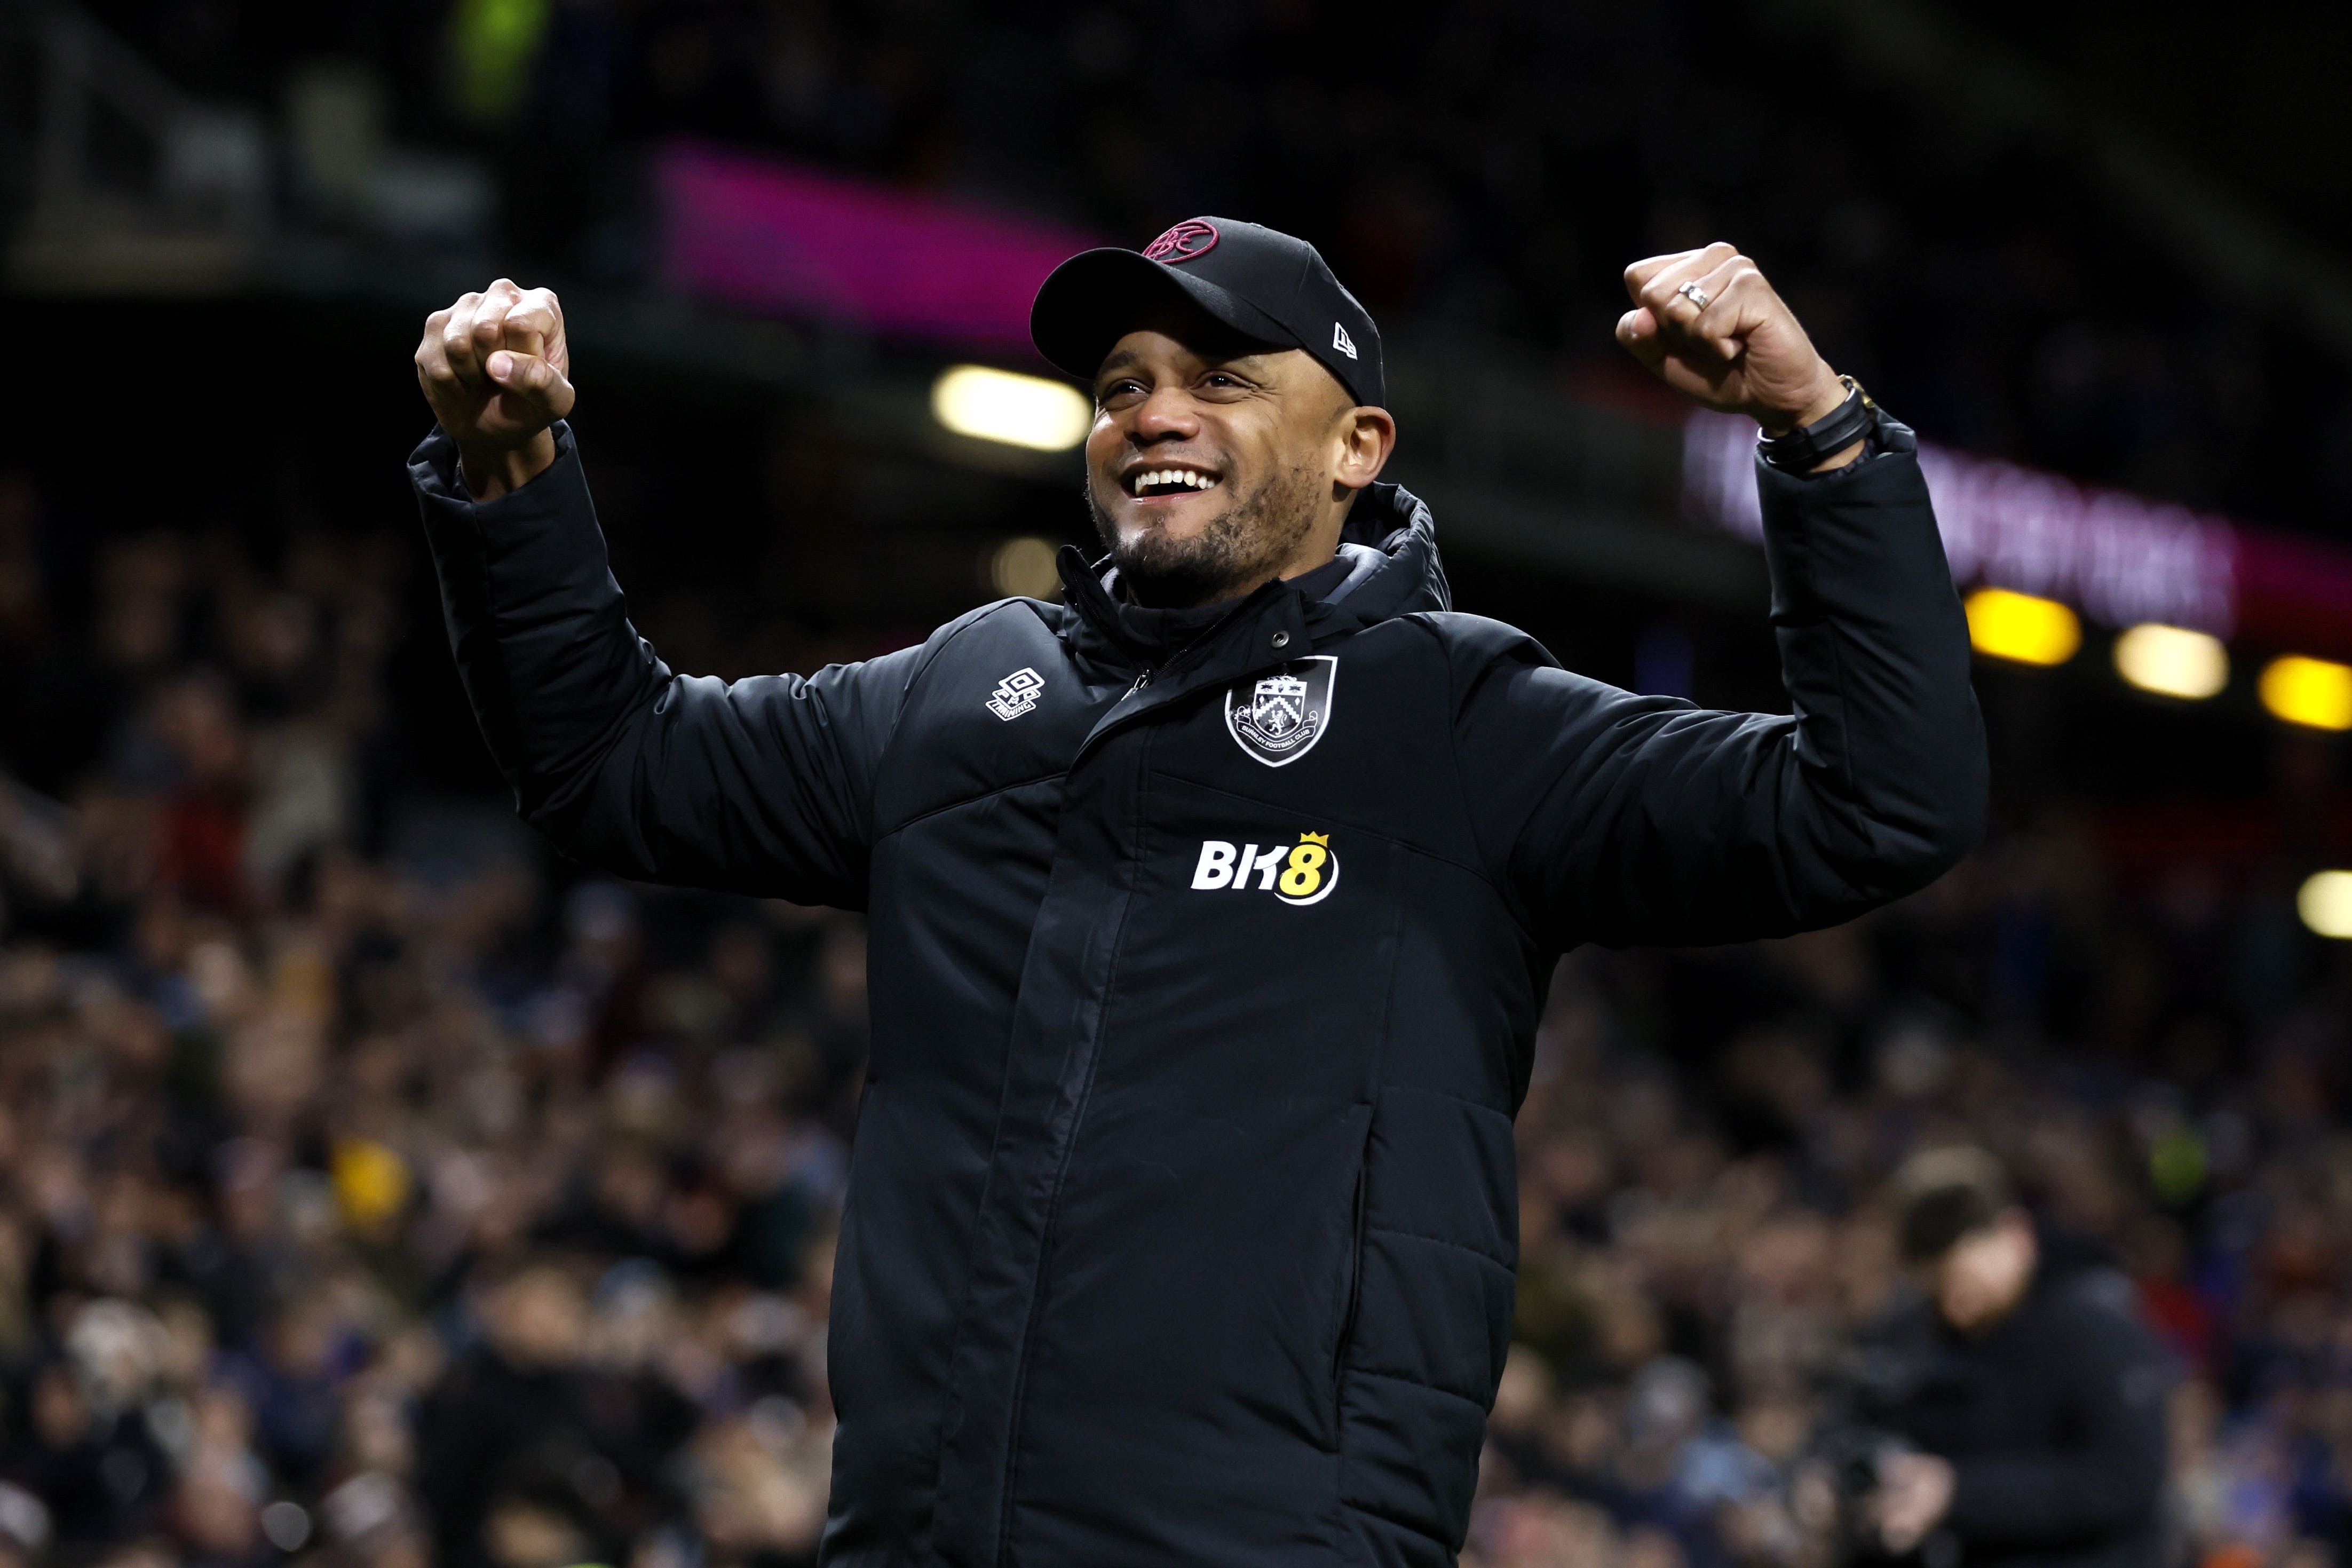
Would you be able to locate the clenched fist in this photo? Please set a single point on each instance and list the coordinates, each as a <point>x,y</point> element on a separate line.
<point>494,367</point>
<point>1707,324</point>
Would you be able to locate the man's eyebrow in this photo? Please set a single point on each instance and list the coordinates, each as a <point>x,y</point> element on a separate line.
<point>1247,361</point>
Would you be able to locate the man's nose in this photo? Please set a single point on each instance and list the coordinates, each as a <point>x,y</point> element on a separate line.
<point>1166,415</point>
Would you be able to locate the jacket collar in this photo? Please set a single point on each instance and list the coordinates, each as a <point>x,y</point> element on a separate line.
<point>1273,625</point>
<point>1390,539</point>
<point>1400,573</point>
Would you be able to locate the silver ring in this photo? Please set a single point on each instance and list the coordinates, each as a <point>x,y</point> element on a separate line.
<point>1694,293</point>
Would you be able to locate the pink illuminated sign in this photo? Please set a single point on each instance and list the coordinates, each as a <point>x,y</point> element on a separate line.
<point>766,236</point>
<point>2119,558</point>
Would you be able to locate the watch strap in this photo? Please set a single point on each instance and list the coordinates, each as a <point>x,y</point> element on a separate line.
<point>1808,447</point>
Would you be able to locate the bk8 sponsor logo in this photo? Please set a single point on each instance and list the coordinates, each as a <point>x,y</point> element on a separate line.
<point>1301,873</point>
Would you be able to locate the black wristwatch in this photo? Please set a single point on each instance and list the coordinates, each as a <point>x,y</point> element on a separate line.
<point>1808,447</point>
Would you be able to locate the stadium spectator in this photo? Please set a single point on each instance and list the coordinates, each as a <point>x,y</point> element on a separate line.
<point>2024,1380</point>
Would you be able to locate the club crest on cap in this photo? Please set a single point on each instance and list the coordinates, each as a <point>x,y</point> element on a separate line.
<point>1182,243</point>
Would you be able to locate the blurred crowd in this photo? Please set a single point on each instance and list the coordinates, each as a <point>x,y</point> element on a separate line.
<point>2155,1053</point>
<point>380,1191</point>
<point>372,1188</point>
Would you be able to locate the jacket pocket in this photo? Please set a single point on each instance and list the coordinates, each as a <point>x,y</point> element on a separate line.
<point>1351,1285</point>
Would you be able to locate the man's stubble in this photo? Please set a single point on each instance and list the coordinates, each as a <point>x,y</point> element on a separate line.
<point>1244,545</point>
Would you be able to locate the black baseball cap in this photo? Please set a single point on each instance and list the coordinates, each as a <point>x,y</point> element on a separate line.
<point>1264,284</point>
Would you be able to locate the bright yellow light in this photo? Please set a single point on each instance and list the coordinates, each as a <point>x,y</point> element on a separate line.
<point>1024,568</point>
<point>2172,661</point>
<point>2325,902</point>
<point>1018,410</point>
<point>2022,627</point>
<point>2313,691</point>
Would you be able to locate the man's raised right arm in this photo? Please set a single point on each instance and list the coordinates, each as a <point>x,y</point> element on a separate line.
<point>757,785</point>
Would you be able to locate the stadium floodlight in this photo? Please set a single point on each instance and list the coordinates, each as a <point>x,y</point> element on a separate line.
<point>2021,628</point>
<point>2313,692</point>
<point>2172,661</point>
<point>1018,410</point>
<point>2325,902</point>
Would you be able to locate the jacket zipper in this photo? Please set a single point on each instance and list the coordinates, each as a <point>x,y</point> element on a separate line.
<point>1086,1076</point>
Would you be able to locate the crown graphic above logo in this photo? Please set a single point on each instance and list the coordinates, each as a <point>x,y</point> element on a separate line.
<point>1322,838</point>
<point>1282,686</point>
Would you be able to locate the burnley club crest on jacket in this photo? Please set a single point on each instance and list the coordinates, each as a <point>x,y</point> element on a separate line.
<point>1278,718</point>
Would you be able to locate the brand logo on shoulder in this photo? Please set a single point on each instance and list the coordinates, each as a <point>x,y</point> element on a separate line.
<point>1278,718</point>
<point>1342,341</point>
<point>1016,694</point>
<point>1297,874</point>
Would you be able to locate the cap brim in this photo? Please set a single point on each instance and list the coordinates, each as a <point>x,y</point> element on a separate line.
<point>1094,297</point>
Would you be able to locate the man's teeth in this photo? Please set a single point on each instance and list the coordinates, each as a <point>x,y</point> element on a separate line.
<point>1167,478</point>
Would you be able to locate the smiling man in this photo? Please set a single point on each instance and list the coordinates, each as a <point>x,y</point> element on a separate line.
<point>1248,480</point>
<point>1212,909</point>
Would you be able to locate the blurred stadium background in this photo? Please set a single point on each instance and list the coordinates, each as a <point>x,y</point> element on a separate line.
<point>377,1190</point>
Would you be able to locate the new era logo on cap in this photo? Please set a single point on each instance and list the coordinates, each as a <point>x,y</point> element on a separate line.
<point>1342,341</point>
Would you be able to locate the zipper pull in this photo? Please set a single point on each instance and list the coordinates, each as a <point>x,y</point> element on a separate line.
<point>1141,682</point>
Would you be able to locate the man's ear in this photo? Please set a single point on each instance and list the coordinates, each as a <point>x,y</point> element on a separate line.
<point>1367,435</point>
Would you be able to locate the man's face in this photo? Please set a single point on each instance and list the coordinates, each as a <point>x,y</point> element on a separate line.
<point>1212,459</point>
<point>1984,1275</point>
<point>537,1318</point>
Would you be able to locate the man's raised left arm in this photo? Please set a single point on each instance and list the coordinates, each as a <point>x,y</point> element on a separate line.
<point>1620,818</point>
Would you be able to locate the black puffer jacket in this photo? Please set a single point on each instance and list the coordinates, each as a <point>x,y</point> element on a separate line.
<point>1183,1212</point>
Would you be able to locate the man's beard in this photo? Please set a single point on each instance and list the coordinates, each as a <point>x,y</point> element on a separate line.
<point>1242,546</point>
